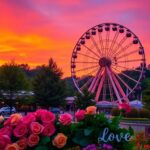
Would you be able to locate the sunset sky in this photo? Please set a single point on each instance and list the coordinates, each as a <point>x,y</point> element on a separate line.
<point>32,31</point>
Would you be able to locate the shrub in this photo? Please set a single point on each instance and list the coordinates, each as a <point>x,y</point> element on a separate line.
<point>144,113</point>
<point>134,113</point>
<point>115,112</point>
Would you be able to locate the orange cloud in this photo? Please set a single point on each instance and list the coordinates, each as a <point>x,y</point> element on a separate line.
<point>32,31</point>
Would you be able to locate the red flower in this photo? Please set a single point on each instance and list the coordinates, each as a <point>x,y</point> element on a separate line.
<point>125,107</point>
<point>4,141</point>
<point>45,116</point>
<point>36,128</point>
<point>65,119</point>
<point>20,130</point>
<point>6,130</point>
<point>49,129</point>
<point>33,140</point>
<point>147,146</point>
<point>22,143</point>
<point>80,115</point>
<point>28,119</point>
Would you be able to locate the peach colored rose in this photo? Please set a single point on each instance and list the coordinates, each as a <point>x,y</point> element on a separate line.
<point>80,115</point>
<point>65,119</point>
<point>1,119</point>
<point>28,119</point>
<point>22,143</point>
<point>4,141</point>
<point>13,146</point>
<point>91,110</point>
<point>36,128</point>
<point>33,140</point>
<point>60,140</point>
<point>13,120</point>
<point>6,130</point>
<point>20,130</point>
<point>49,130</point>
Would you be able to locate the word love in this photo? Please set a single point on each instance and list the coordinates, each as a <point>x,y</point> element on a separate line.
<point>107,136</point>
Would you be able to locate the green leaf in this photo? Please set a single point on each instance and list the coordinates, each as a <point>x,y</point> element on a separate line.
<point>84,142</point>
<point>88,131</point>
<point>131,131</point>
<point>78,136</point>
<point>45,140</point>
<point>41,148</point>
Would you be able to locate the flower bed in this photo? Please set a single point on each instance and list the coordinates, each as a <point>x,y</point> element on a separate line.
<point>42,130</point>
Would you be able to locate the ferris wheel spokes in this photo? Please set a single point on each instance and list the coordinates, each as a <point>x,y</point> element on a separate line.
<point>127,86</point>
<point>127,76</point>
<point>88,56</point>
<point>120,44</point>
<point>127,54</point>
<point>101,42</point>
<point>113,85</point>
<point>122,49</point>
<point>100,87</point>
<point>96,46</point>
<point>94,80</point>
<point>97,81</point>
<point>108,59</point>
<point>87,83</point>
<point>113,42</point>
<point>120,88</point>
<point>91,51</point>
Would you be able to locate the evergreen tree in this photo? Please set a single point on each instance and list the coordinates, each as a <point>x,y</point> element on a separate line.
<point>48,87</point>
<point>146,93</point>
<point>84,100</point>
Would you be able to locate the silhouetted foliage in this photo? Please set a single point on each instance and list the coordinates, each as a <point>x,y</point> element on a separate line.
<point>146,93</point>
<point>12,80</point>
<point>84,100</point>
<point>48,87</point>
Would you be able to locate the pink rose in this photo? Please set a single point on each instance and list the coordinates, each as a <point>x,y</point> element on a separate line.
<point>28,119</point>
<point>33,140</point>
<point>39,113</point>
<point>20,130</point>
<point>80,115</point>
<point>6,130</point>
<point>36,128</point>
<point>48,117</point>
<point>49,130</point>
<point>4,141</point>
<point>65,119</point>
<point>22,143</point>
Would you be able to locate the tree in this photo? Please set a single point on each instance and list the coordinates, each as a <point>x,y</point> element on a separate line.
<point>12,80</point>
<point>48,87</point>
<point>146,93</point>
<point>84,100</point>
<point>70,88</point>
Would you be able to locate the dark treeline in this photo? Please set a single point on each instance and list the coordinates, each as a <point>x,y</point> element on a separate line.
<point>42,86</point>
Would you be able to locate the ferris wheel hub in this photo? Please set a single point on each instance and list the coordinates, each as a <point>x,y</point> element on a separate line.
<point>105,62</point>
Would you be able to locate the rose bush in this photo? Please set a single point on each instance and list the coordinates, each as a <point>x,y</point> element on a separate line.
<point>42,130</point>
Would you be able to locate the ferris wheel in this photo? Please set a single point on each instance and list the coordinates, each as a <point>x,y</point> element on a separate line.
<point>108,60</point>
